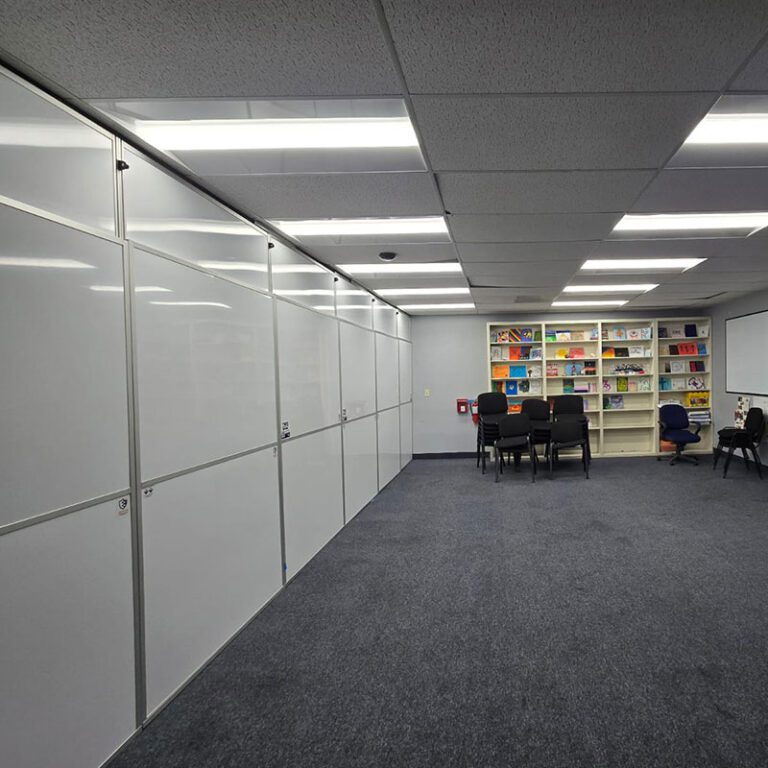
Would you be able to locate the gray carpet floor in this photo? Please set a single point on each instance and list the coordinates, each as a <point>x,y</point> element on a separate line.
<point>616,621</point>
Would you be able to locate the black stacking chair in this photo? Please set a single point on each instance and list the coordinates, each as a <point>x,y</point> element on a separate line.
<point>514,438</point>
<point>538,412</point>
<point>571,408</point>
<point>674,428</point>
<point>491,408</point>
<point>568,434</point>
<point>747,439</point>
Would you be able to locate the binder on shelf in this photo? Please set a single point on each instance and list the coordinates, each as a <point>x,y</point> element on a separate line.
<point>510,387</point>
<point>517,371</point>
<point>499,371</point>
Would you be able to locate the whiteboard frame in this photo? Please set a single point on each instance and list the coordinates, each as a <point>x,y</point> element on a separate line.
<point>725,339</point>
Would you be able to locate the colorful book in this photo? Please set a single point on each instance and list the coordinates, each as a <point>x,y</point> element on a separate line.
<point>511,387</point>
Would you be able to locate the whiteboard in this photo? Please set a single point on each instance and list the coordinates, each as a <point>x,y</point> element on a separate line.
<point>389,445</point>
<point>387,375</point>
<point>384,318</point>
<point>308,345</point>
<point>165,214</point>
<point>297,278</point>
<point>404,350</point>
<point>746,354</point>
<point>358,371</point>
<point>360,464</point>
<point>67,661</point>
<point>205,366</point>
<point>406,433</point>
<point>353,303</point>
<point>312,495</point>
<point>63,407</point>
<point>211,560</point>
<point>53,161</point>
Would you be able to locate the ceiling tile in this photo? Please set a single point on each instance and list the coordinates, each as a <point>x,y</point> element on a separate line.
<point>521,274</point>
<point>706,189</point>
<point>161,49</point>
<point>542,192</point>
<point>337,195</point>
<point>517,46</point>
<point>532,227</point>
<point>509,252</point>
<point>584,132</point>
<point>407,253</point>
<point>754,77</point>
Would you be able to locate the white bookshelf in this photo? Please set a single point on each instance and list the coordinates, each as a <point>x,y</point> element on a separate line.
<point>617,366</point>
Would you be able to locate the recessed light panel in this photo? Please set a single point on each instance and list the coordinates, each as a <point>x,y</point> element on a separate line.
<point>384,270</point>
<point>422,291</point>
<point>420,225</point>
<point>619,288</point>
<point>412,307</point>
<point>640,265</point>
<point>678,225</point>
<point>723,128</point>
<point>596,303</point>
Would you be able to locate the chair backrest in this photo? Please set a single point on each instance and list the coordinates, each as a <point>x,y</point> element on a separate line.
<point>567,432</point>
<point>673,416</point>
<point>536,410</point>
<point>755,424</point>
<point>567,404</point>
<point>491,402</point>
<point>514,425</point>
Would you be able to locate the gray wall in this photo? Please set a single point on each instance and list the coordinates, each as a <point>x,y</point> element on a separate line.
<point>724,404</point>
<point>449,359</point>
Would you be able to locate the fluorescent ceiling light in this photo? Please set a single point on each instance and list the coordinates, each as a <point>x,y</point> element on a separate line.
<point>352,293</point>
<point>429,267</point>
<point>204,226</point>
<point>436,306</point>
<point>622,288</point>
<point>421,291</point>
<point>292,133</point>
<point>24,261</point>
<point>639,265</point>
<point>190,304</point>
<point>324,307</point>
<point>731,129</point>
<point>305,292</point>
<point>138,289</point>
<point>234,266</point>
<point>693,222</point>
<point>596,303</point>
<point>419,225</point>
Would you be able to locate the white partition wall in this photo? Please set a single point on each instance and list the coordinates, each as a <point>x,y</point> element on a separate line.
<point>406,433</point>
<point>358,371</point>
<point>152,347</point>
<point>308,346</point>
<point>67,664</point>
<point>211,561</point>
<point>360,464</point>
<point>389,445</point>
<point>387,372</point>
<point>313,501</point>
<point>205,356</point>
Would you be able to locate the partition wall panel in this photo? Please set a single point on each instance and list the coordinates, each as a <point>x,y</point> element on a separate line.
<point>403,326</point>
<point>312,495</point>
<point>64,402</point>
<point>165,214</point>
<point>302,281</point>
<point>358,371</point>
<point>387,372</point>
<point>353,303</point>
<point>360,464</point>
<point>406,433</point>
<point>51,160</point>
<point>404,354</point>
<point>205,356</point>
<point>67,660</point>
<point>308,344</point>
<point>211,561</point>
<point>388,445</point>
<point>384,318</point>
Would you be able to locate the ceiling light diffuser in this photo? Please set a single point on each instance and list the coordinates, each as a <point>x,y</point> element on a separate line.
<point>731,129</point>
<point>138,289</point>
<point>31,261</point>
<point>641,265</point>
<point>429,267</point>
<point>749,222</point>
<point>190,304</point>
<point>436,306</point>
<point>420,225</point>
<point>596,303</point>
<point>421,291</point>
<point>622,288</point>
<point>294,133</point>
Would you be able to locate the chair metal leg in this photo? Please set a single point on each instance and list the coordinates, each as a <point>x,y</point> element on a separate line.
<point>758,463</point>
<point>585,459</point>
<point>744,456</point>
<point>551,460</point>
<point>728,460</point>
<point>532,455</point>
<point>716,455</point>
<point>496,459</point>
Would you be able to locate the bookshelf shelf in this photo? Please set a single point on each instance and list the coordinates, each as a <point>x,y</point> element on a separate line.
<point>631,429</point>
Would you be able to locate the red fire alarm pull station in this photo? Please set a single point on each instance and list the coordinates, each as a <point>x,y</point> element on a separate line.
<point>462,405</point>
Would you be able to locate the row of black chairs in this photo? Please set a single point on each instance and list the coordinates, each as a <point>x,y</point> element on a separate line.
<point>566,426</point>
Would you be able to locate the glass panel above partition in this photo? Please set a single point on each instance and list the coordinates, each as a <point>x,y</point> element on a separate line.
<point>299,279</point>
<point>165,214</point>
<point>54,161</point>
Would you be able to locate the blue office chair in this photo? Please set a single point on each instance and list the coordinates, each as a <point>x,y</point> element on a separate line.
<point>674,428</point>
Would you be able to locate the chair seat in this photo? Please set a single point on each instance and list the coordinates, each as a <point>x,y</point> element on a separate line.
<point>728,434</point>
<point>680,436</point>
<point>570,444</point>
<point>507,443</point>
